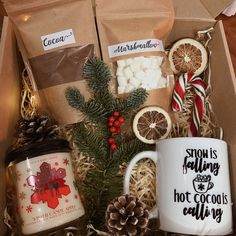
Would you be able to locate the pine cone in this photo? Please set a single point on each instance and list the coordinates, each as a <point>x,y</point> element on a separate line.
<point>37,129</point>
<point>127,216</point>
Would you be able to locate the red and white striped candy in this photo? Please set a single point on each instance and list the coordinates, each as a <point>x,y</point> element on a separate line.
<point>188,80</point>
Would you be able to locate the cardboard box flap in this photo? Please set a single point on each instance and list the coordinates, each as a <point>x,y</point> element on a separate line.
<point>215,7</point>
<point>9,101</point>
<point>9,80</point>
<point>192,9</point>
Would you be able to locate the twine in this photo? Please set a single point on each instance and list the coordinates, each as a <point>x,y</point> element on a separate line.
<point>28,102</point>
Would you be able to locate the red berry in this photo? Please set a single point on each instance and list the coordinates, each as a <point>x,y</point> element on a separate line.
<point>117,123</point>
<point>111,140</point>
<point>113,129</point>
<point>110,124</point>
<point>112,119</point>
<point>121,119</point>
<point>118,130</point>
<point>113,146</point>
<point>116,113</point>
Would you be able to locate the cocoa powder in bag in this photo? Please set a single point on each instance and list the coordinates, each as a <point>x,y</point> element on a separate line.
<point>132,35</point>
<point>49,30</point>
<point>61,66</point>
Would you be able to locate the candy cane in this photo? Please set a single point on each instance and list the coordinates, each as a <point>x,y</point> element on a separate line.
<point>179,92</point>
<point>181,86</point>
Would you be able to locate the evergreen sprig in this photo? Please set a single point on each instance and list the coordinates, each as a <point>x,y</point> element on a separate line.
<point>92,109</point>
<point>74,98</point>
<point>98,76</point>
<point>132,102</point>
<point>107,186</point>
<point>136,99</point>
<point>90,142</point>
<point>97,73</point>
<point>103,183</point>
<point>129,149</point>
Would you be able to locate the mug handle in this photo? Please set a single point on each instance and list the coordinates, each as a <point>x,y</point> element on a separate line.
<point>153,213</point>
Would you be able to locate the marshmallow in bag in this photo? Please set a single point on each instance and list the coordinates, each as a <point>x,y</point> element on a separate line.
<point>132,38</point>
<point>140,72</point>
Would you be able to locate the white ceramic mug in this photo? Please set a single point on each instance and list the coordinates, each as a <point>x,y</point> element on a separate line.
<point>193,185</point>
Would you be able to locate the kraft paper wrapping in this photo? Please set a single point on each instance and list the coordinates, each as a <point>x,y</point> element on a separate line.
<point>124,21</point>
<point>32,21</point>
<point>53,99</point>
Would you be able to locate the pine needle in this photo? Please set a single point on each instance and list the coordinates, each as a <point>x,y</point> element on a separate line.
<point>129,149</point>
<point>92,108</point>
<point>90,143</point>
<point>97,73</point>
<point>134,100</point>
<point>74,98</point>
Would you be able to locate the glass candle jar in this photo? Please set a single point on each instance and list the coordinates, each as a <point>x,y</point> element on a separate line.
<point>46,195</point>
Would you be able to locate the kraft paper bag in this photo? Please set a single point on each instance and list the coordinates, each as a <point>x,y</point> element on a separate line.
<point>137,30</point>
<point>55,38</point>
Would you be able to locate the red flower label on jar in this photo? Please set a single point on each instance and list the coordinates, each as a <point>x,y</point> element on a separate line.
<point>48,185</point>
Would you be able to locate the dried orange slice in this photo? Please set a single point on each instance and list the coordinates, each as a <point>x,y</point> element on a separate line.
<point>188,55</point>
<point>151,124</point>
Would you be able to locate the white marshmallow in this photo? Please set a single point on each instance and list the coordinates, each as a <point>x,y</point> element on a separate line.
<point>157,73</point>
<point>159,60</point>
<point>162,82</point>
<point>153,63</point>
<point>135,66</point>
<point>119,71</point>
<point>121,89</point>
<point>154,84</point>
<point>156,62</point>
<point>139,72</point>
<point>129,61</point>
<point>148,79</point>
<point>135,82</point>
<point>128,72</point>
<point>146,63</point>
<point>122,81</point>
<point>145,86</point>
<point>139,59</point>
<point>129,88</point>
<point>121,63</point>
<point>149,74</point>
<point>140,75</point>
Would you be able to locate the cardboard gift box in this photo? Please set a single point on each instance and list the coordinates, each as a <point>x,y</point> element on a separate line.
<point>191,16</point>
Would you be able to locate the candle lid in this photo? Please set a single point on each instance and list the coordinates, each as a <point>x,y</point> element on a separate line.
<point>36,149</point>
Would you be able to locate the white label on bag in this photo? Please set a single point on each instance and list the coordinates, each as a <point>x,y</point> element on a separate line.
<point>132,47</point>
<point>58,39</point>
